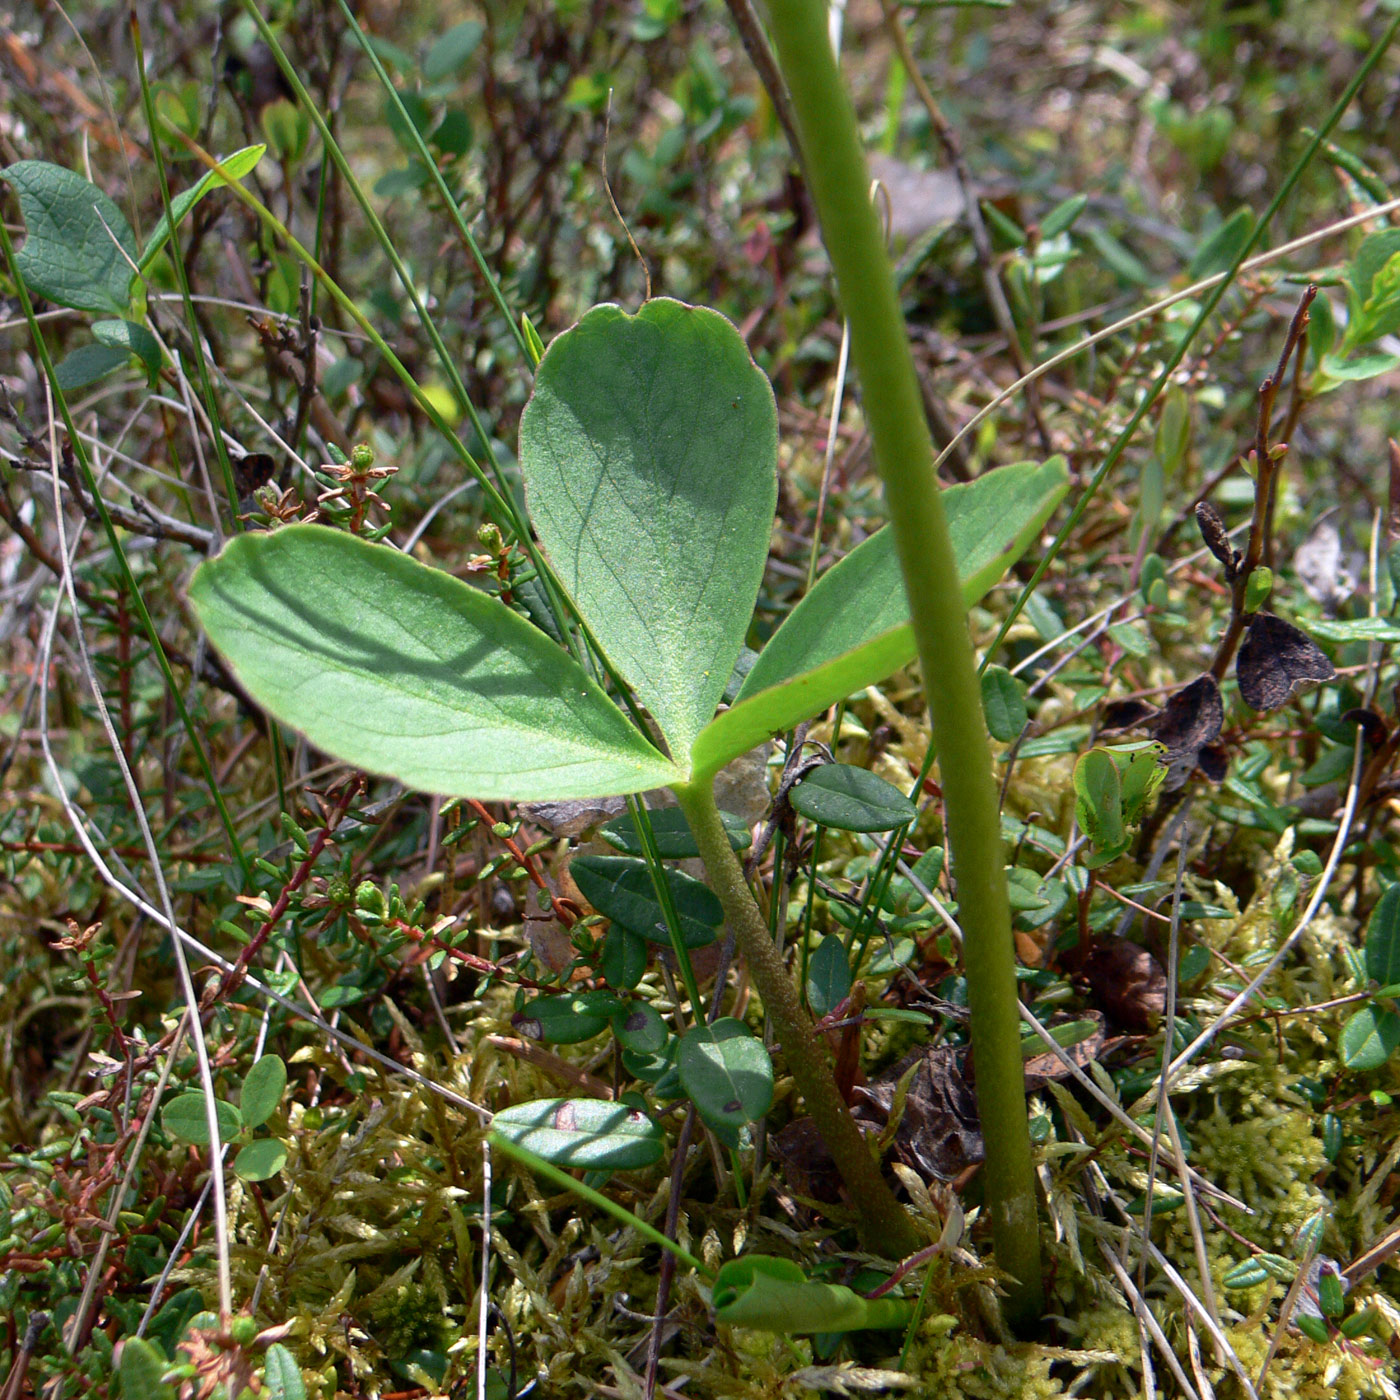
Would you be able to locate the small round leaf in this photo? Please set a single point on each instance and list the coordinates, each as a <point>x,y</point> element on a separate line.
<point>1003,703</point>
<point>262,1090</point>
<point>639,1028</point>
<point>566,1019</point>
<point>261,1159</point>
<point>184,1118</point>
<point>726,1071</point>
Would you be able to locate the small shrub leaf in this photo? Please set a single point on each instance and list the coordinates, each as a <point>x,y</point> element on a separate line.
<point>848,798</point>
<point>1383,939</point>
<point>87,364</point>
<point>639,1028</point>
<point>726,1071</point>
<point>282,1376</point>
<point>256,1161</point>
<point>1099,802</point>
<point>141,1368</point>
<point>184,1118</point>
<point>1369,1038</point>
<point>671,832</point>
<point>621,888</point>
<point>129,336</point>
<point>1003,703</point>
<point>828,975</point>
<point>590,1133</point>
<point>452,49</point>
<point>623,960</point>
<point>566,1019</point>
<point>262,1090</point>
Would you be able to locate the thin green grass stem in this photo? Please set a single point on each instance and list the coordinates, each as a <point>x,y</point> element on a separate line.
<point>894,413</point>
<point>885,1227</point>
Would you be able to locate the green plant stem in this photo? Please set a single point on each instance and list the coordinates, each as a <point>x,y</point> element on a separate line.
<point>885,1227</point>
<point>904,453</point>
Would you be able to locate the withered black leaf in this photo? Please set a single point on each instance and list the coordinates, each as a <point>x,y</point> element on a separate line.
<point>1278,661</point>
<point>1214,762</point>
<point>1189,722</point>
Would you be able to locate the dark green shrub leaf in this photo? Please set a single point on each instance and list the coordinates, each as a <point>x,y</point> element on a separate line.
<point>1369,1038</point>
<point>1062,217</point>
<point>1383,939</point>
<point>282,1377</point>
<point>621,888</point>
<point>639,1028</point>
<point>404,670</point>
<point>168,1325</point>
<point>1312,1327</point>
<point>262,1090</point>
<point>256,1161</point>
<point>78,248</point>
<point>87,364</point>
<point>828,975</point>
<point>660,421</point>
<point>1003,703</point>
<point>566,1019</point>
<point>727,1073</point>
<point>848,798</point>
<point>1248,1273</point>
<point>184,1118</point>
<point>141,1368</point>
<point>589,1133</point>
<point>1331,1136</point>
<point>671,832</point>
<point>1220,250</point>
<point>623,961</point>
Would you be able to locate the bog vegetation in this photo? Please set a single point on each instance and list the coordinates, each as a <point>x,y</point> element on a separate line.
<point>484,906</point>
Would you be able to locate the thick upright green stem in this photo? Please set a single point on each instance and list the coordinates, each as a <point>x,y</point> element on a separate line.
<point>885,1227</point>
<point>895,416</point>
